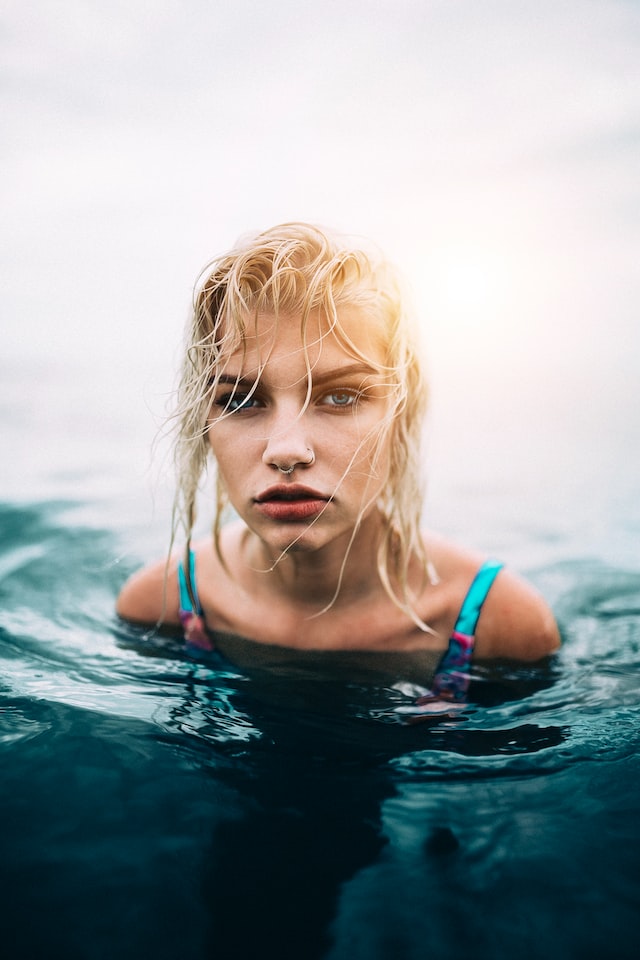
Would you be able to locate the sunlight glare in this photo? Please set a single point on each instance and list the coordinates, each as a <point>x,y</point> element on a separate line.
<point>470,286</point>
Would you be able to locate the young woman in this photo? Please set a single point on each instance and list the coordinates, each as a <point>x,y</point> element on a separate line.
<point>302,385</point>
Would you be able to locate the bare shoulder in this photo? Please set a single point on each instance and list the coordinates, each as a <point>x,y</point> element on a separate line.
<point>151,595</point>
<point>515,621</point>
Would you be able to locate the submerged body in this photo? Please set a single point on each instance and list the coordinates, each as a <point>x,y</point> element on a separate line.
<point>308,418</point>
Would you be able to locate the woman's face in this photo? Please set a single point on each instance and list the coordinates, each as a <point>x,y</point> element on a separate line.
<point>324,424</point>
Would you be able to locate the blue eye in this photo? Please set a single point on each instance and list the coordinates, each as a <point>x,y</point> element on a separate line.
<point>341,398</point>
<point>232,402</point>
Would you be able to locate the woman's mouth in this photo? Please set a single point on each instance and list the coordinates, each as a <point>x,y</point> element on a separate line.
<point>290,502</point>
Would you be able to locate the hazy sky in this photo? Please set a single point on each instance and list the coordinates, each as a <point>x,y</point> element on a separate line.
<point>491,147</point>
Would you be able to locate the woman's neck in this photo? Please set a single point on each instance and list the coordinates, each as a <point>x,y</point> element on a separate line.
<point>344,570</point>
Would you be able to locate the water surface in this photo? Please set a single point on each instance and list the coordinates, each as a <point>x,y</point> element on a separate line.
<point>157,804</point>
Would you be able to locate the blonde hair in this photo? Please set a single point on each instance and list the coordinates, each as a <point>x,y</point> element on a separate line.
<point>299,268</point>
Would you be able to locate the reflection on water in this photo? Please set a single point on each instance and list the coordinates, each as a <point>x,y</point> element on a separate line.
<point>156,804</point>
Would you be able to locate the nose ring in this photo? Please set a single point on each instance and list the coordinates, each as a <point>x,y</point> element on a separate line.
<point>305,463</point>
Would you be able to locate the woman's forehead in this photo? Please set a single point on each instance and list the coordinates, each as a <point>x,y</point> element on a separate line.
<point>354,332</point>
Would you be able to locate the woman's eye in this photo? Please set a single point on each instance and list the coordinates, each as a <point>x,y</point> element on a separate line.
<point>340,398</point>
<point>232,402</point>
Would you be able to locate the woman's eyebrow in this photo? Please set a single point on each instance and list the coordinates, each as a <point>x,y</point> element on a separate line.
<point>350,370</point>
<point>236,381</point>
<point>333,374</point>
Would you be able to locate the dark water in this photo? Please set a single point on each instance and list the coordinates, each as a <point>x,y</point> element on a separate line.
<point>158,806</point>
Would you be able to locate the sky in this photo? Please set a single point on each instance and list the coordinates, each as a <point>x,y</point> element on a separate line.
<point>490,147</point>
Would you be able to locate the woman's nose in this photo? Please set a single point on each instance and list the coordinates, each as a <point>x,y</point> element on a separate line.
<point>288,444</point>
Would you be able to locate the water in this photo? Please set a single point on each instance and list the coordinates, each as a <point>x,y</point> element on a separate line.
<point>159,805</point>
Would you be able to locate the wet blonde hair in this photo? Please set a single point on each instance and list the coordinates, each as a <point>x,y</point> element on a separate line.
<point>296,268</point>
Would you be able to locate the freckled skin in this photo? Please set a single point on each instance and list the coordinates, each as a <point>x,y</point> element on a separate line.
<point>274,430</point>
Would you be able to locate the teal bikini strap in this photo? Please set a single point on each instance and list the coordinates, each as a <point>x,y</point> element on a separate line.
<point>190,613</point>
<point>189,602</point>
<point>452,677</point>
<point>476,595</point>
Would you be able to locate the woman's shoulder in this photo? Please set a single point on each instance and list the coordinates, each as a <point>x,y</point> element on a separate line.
<point>152,594</point>
<point>515,621</point>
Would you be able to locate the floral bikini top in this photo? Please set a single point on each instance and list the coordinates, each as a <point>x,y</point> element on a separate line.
<point>452,676</point>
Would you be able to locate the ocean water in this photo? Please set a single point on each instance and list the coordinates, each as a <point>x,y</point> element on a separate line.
<point>158,805</point>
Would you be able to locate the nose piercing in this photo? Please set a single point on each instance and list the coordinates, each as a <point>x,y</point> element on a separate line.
<point>305,463</point>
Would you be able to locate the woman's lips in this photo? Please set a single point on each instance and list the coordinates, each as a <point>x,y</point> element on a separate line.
<point>290,502</point>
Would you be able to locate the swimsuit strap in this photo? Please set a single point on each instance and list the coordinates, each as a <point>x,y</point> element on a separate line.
<point>451,680</point>
<point>189,602</point>
<point>476,595</point>
<point>190,613</point>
